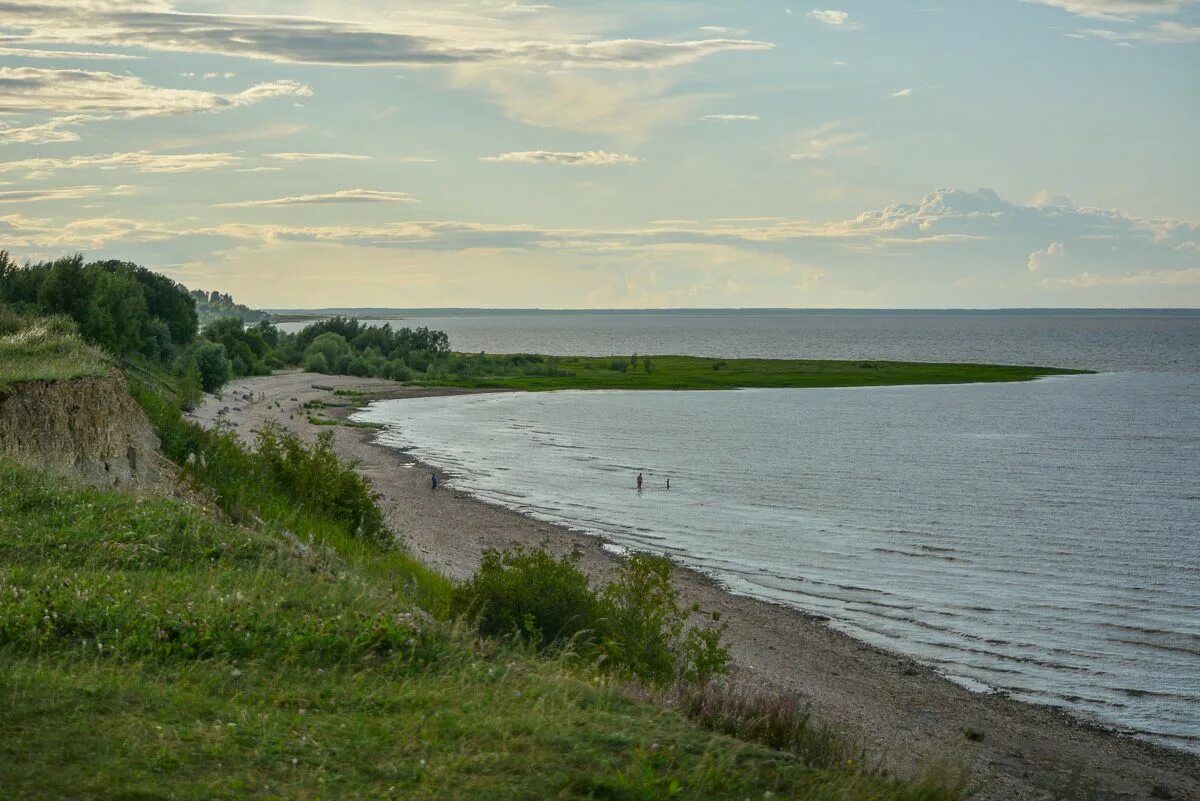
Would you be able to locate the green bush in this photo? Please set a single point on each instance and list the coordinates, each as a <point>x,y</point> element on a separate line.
<point>634,627</point>
<point>643,621</point>
<point>282,479</point>
<point>531,594</point>
<point>328,485</point>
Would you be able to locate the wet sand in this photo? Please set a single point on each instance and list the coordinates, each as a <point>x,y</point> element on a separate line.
<point>907,717</point>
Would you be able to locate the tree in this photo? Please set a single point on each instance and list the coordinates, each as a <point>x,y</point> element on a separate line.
<point>333,350</point>
<point>213,364</point>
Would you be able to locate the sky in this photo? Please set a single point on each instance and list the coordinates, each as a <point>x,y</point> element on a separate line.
<point>579,154</point>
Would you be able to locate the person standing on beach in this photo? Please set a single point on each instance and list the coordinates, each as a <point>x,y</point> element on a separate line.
<point>668,482</point>
<point>639,482</point>
<point>433,480</point>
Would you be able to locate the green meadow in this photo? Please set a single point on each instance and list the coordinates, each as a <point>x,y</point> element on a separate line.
<point>536,373</point>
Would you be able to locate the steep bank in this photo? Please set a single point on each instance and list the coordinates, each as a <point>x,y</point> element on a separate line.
<point>89,429</point>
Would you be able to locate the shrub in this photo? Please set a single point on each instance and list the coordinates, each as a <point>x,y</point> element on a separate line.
<point>528,593</point>
<point>328,485</point>
<point>634,627</point>
<point>643,622</point>
<point>283,479</point>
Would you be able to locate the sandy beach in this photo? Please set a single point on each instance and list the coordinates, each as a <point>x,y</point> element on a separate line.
<point>906,716</point>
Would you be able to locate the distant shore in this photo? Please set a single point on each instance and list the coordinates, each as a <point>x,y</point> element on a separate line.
<point>906,716</point>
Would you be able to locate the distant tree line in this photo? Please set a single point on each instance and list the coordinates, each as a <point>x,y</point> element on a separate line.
<point>137,314</point>
<point>213,306</point>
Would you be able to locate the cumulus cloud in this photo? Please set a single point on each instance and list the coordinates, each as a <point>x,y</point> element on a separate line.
<point>143,161</point>
<point>341,196</point>
<point>1047,199</point>
<point>105,94</point>
<point>730,117</point>
<point>1041,260</point>
<point>837,19</point>
<point>587,158</point>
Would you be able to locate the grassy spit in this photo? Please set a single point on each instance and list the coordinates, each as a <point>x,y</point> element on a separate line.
<point>538,373</point>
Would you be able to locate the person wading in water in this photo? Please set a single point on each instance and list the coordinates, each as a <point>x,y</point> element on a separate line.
<point>639,482</point>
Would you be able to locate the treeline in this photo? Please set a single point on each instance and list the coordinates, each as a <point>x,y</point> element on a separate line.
<point>213,306</point>
<point>137,314</point>
<point>121,307</point>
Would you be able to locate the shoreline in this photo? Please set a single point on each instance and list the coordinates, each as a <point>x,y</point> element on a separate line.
<point>907,716</point>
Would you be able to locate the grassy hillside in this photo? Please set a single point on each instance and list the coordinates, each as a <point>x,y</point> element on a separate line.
<point>690,372</point>
<point>45,349</point>
<point>151,649</point>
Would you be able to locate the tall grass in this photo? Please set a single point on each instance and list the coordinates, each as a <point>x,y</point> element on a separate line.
<point>45,349</point>
<point>304,491</point>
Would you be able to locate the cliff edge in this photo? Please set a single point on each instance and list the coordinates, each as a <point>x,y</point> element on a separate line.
<point>88,428</point>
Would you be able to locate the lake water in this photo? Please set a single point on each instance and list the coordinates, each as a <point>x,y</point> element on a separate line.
<point>1040,538</point>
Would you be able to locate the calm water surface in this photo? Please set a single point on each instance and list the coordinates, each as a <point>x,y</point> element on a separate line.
<point>1039,538</point>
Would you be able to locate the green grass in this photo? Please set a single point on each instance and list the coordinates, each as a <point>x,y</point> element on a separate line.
<point>45,349</point>
<point>153,649</point>
<point>690,372</point>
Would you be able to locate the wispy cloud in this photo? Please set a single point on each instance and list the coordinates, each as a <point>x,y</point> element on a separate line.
<point>142,161</point>
<point>36,195</point>
<point>1117,10</point>
<point>318,157</point>
<point>425,40</point>
<point>351,196</point>
<point>587,158</point>
<point>828,141</point>
<point>1159,33</point>
<point>75,91</point>
<point>75,55</point>
<point>730,117</point>
<point>903,93</point>
<point>59,129</point>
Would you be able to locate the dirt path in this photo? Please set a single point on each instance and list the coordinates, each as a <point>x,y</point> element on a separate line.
<point>906,715</point>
